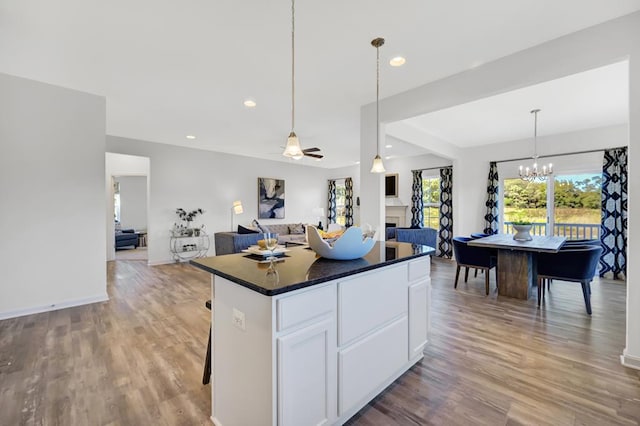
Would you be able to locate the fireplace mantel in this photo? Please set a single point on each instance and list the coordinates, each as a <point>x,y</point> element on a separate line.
<point>396,215</point>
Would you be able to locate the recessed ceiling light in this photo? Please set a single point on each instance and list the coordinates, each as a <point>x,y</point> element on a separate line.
<point>357,162</point>
<point>398,61</point>
<point>250,103</point>
<point>388,157</point>
<point>190,137</point>
<point>388,146</point>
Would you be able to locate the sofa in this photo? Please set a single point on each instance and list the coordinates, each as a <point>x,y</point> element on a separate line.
<point>126,238</point>
<point>234,242</point>
<point>424,236</point>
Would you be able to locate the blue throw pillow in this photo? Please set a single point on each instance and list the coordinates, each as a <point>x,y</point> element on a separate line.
<point>243,230</point>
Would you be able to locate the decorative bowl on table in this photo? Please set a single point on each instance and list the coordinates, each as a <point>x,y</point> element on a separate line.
<point>351,245</point>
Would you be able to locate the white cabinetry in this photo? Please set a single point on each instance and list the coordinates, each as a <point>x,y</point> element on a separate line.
<point>316,355</point>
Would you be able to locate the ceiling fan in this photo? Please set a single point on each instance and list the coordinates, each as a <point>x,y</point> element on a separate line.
<point>312,152</point>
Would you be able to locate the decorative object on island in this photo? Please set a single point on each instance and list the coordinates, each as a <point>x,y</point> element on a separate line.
<point>351,245</point>
<point>532,174</point>
<point>270,198</point>
<point>236,209</point>
<point>377,167</point>
<point>187,229</point>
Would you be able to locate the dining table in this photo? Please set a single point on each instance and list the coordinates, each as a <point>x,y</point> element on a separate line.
<point>517,261</point>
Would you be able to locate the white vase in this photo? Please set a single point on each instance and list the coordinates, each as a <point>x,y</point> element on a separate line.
<point>522,232</point>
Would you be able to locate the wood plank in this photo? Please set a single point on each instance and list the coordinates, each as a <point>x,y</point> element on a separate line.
<point>539,243</point>
<point>515,273</point>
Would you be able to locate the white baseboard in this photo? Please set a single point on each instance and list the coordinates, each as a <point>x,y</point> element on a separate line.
<point>160,262</point>
<point>630,361</point>
<point>54,306</point>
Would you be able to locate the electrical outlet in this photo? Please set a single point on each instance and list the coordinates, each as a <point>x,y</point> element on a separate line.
<point>238,319</point>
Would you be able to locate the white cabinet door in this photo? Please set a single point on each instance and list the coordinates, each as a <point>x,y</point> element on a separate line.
<point>307,376</point>
<point>418,317</point>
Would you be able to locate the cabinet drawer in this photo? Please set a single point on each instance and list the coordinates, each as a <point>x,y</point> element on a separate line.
<point>368,301</point>
<point>298,308</point>
<point>365,366</point>
<point>420,268</point>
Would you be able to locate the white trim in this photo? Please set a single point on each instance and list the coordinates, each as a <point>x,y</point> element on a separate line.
<point>54,306</point>
<point>629,360</point>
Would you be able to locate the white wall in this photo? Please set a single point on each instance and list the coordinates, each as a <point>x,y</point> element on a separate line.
<point>192,178</point>
<point>133,202</point>
<point>593,47</point>
<point>52,190</point>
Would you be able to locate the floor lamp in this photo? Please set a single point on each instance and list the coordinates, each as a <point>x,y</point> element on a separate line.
<point>236,209</point>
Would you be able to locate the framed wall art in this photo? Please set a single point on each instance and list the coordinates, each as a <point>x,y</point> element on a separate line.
<point>270,198</point>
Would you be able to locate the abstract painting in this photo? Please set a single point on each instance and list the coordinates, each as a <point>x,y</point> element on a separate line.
<point>270,198</point>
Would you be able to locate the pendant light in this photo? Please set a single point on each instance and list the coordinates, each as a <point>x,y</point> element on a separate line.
<point>293,150</point>
<point>377,167</point>
<point>533,173</point>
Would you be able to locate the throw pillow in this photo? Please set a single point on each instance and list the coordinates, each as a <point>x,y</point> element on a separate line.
<point>243,230</point>
<point>296,229</point>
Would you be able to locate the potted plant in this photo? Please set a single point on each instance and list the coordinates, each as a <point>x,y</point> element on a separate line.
<point>522,227</point>
<point>188,217</point>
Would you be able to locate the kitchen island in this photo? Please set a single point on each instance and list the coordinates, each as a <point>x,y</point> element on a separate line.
<point>319,341</point>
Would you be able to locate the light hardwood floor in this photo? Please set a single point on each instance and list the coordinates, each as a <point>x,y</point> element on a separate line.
<point>137,359</point>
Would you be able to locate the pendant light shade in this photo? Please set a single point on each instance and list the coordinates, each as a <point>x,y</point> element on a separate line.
<point>293,149</point>
<point>377,166</point>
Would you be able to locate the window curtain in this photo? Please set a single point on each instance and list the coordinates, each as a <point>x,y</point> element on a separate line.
<point>491,218</point>
<point>613,227</point>
<point>445,248</point>
<point>417,204</point>
<point>348,204</point>
<point>331,206</point>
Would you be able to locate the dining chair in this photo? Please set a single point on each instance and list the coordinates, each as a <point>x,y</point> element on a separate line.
<point>206,375</point>
<point>572,263</point>
<point>473,257</point>
<point>477,235</point>
<point>571,243</point>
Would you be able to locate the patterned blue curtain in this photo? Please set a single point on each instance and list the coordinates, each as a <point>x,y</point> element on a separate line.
<point>331,206</point>
<point>417,204</point>
<point>613,226</point>
<point>491,218</point>
<point>445,248</point>
<point>348,205</point>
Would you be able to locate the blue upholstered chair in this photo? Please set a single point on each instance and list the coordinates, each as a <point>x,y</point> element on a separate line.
<point>477,235</point>
<point>473,257</point>
<point>585,242</point>
<point>572,263</point>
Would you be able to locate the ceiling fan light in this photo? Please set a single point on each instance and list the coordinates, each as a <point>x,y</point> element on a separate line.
<point>377,167</point>
<point>293,150</point>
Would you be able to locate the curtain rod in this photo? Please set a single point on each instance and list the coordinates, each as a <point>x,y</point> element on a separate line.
<point>559,155</point>
<point>434,168</point>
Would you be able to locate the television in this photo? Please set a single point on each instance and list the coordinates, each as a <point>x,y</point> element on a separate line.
<point>391,185</point>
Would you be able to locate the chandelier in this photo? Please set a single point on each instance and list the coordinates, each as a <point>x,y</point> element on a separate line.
<point>534,173</point>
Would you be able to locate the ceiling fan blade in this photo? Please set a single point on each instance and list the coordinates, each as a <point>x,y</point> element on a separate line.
<point>313,155</point>
<point>314,149</point>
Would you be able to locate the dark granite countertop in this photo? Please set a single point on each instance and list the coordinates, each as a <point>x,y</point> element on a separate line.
<point>303,268</point>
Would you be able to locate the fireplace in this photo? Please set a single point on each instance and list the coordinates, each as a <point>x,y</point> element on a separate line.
<point>395,216</point>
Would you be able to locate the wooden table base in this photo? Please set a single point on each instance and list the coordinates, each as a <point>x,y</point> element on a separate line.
<point>516,273</point>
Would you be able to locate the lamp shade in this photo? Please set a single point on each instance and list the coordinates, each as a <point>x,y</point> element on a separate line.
<point>293,150</point>
<point>377,167</point>
<point>237,207</point>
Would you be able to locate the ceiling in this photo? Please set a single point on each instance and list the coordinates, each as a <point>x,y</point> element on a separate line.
<point>171,69</point>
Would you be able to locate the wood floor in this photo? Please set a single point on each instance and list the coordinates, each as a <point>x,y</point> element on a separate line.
<point>137,359</point>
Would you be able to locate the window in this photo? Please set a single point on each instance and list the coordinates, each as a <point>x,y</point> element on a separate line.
<point>431,201</point>
<point>341,202</point>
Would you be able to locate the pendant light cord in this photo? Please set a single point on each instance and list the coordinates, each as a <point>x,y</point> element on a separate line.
<point>377,100</point>
<point>535,133</point>
<point>293,61</point>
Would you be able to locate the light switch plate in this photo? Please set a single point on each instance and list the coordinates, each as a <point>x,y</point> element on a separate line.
<point>238,319</point>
